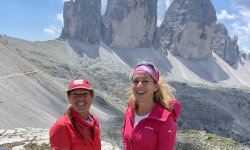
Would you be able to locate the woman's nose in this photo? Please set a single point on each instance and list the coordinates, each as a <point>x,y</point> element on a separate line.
<point>139,84</point>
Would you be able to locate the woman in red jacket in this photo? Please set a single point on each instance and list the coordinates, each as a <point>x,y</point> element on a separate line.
<point>77,129</point>
<point>151,114</point>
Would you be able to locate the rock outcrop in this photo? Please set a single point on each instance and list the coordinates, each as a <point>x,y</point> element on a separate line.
<point>245,55</point>
<point>129,23</point>
<point>187,29</point>
<point>224,46</point>
<point>82,21</point>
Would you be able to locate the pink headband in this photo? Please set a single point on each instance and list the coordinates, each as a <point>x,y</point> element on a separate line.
<point>152,71</point>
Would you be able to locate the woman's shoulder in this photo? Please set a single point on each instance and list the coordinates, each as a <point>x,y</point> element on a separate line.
<point>129,110</point>
<point>62,121</point>
<point>62,126</point>
<point>176,105</point>
<point>60,129</point>
<point>159,113</point>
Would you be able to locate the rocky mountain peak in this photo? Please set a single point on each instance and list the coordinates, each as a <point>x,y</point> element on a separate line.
<point>245,55</point>
<point>224,46</point>
<point>82,21</point>
<point>187,29</point>
<point>129,23</point>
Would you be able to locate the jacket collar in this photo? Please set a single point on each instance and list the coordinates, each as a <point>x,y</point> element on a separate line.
<point>78,119</point>
<point>160,113</point>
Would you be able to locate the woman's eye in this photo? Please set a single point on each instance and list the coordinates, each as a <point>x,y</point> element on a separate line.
<point>135,82</point>
<point>86,94</point>
<point>75,95</point>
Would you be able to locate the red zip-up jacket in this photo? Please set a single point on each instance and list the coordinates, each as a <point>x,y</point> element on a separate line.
<point>64,135</point>
<point>156,132</point>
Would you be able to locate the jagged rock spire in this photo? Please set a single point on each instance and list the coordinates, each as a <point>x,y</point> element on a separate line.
<point>82,21</point>
<point>129,23</point>
<point>187,29</point>
<point>225,47</point>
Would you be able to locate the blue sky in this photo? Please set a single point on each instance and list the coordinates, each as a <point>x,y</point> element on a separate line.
<point>40,20</point>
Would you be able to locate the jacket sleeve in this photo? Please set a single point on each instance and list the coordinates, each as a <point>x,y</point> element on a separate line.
<point>123,132</point>
<point>59,137</point>
<point>167,135</point>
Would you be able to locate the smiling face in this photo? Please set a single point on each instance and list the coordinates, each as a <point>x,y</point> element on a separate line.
<point>143,87</point>
<point>81,100</point>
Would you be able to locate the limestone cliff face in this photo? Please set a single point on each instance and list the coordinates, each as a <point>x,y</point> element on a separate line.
<point>82,21</point>
<point>187,29</point>
<point>69,26</point>
<point>129,23</point>
<point>224,46</point>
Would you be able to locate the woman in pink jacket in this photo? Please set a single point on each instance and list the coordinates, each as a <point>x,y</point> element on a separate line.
<point>150,117</point>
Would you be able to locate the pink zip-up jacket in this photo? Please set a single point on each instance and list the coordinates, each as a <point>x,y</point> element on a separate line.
<point>156,132</point>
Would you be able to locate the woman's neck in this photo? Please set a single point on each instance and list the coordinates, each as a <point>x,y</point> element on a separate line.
<point>84,116</point>
<point>145,108</point>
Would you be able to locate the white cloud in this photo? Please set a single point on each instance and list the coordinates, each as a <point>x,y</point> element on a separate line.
<point>50,30</point>
<point>241,3</point>
<point>59,16</point>
<point>224,15</point>
<point>241,27</point>
<point>246,14</point>
<point>243,32</point>
<point>245,48</point>
<point>65,0</point>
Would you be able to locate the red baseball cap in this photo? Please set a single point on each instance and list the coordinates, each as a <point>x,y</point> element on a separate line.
<point>79,84</point>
